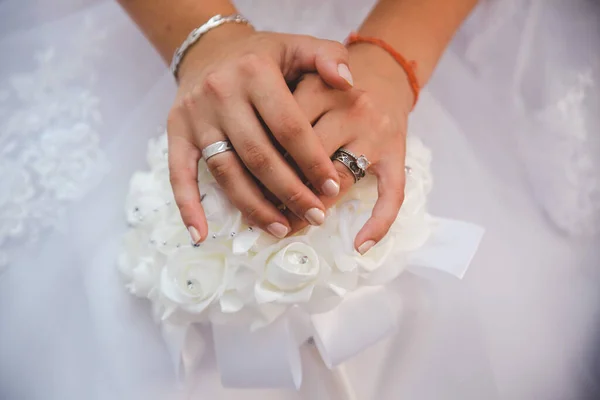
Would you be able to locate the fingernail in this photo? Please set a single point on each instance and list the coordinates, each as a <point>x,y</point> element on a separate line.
<point>366,246</point>
<point>278,230</point>
<point>330,188</point>
<point>194,234</point>
<point>314,216</point>
<point>344,72</point>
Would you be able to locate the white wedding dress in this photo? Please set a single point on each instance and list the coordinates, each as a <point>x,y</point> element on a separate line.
<point>512,119</point>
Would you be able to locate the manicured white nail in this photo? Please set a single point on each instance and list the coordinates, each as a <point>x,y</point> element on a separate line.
<point>314,216</point>
<point>366,246</point>
<point>278,230</point>
<point>344,72</point>
<point>330,188</point>
<point>194,234</point>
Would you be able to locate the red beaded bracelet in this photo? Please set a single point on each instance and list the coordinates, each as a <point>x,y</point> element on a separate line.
<point>407,66</point>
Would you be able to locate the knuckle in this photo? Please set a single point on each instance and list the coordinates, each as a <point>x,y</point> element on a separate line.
<point>290,129</point>
<point>293,198</point>
<point>216,85</point>
<point>252,64</point>
<point>317,168</point>
<point>220,171</point>
<point>251,213</point>
<point>384,123</point>
<point>364,102</point>
<point>189,101</point>
<point>255,158</point>
<point>365,109</point>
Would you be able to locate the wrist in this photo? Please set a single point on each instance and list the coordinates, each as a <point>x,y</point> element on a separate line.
<point>373,66</point>
<point>211,44</point>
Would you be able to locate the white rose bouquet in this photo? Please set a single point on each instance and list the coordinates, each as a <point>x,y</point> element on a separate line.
<point>243,275</point>
<point>264,298</point>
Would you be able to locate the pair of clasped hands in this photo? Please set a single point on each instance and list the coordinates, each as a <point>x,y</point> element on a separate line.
<point>287,103</point>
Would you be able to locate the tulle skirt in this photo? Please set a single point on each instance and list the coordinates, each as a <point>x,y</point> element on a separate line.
<point>81,92</point>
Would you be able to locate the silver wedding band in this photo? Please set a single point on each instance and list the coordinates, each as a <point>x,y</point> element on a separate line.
<point>216,148</point>
<point>357,165</point>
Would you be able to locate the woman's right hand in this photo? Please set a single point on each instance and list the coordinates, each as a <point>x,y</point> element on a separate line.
<point>233,85</point>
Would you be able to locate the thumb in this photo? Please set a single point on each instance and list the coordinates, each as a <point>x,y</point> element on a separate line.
<point>327,57</point>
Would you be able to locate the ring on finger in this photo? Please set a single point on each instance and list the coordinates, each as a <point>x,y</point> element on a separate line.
<point>216,148</point>
<point>356,165</point>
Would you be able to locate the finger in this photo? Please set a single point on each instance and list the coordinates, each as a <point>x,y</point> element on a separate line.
<point>258,154</point>
<point>231,175</point>
<point>183,172</point>
<point>291,129</point>
<point>329,58</point>
<point>330,130</point>
<point>245,195</point>
<point>314,97</point>
<point>334,128</point>
<point>346,182</point>
<point>238,120</point>
<point>390,189</point>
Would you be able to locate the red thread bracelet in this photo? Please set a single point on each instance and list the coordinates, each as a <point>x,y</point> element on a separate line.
<point>407,66</point>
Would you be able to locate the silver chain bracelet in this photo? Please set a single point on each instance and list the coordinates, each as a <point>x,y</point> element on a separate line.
<point>193,37</point>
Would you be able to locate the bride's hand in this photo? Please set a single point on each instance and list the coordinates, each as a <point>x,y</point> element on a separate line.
<point>233,86</point>
<point>369,120</point>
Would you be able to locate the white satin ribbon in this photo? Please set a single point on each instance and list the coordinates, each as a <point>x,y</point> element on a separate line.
<point>364,317</point>
<point>450,248</point>
<point>270,357</point>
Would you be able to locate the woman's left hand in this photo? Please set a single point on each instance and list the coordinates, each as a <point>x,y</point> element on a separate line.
<point>368,120</point>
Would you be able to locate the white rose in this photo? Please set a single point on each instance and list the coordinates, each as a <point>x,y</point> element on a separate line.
<point>140,265</point>
<point>149,195</point>
<point>289,270</point>
<point>225,227</point>
<point>157,153</point>
<point>222,217</point>
<point>193,280</point>
<point>412,226</point>
<point>418,163</point>
<point>352,216</point>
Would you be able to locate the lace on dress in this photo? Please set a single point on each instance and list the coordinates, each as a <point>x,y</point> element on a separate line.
<point>49,142</point>
<point>543,55</point>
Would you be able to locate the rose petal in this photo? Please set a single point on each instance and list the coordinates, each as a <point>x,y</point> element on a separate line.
<point>244,241</point>
<point>230,302</point>
<point>264,294</point>
<point>377,255</point>
<point>387,272</point>
<point>301,296</point>
<point>343,283</point>
<point>284,270</point>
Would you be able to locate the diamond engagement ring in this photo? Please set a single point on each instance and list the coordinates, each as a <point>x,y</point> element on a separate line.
<point>216,148</point>
<point>357,165</point>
